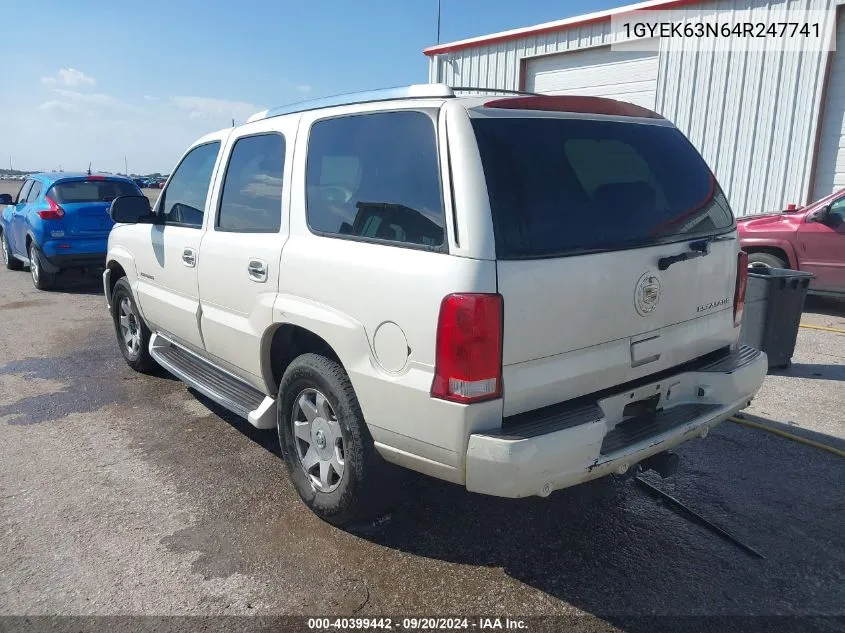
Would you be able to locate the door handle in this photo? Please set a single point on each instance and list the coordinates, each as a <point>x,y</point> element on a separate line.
<point>189,257</point>
<point>257,270</point>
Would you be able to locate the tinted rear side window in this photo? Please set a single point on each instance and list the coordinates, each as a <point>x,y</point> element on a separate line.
<point>91,191</point>
<point>376,177</point>
<point>252,190</point>
<point>567,186</point>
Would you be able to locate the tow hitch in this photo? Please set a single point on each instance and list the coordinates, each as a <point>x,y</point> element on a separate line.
<point>664,464</point>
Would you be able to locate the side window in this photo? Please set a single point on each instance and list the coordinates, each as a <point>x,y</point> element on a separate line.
<point>837,210</point>
<point>252,189</point>
<point>183,200</point>
<point>34,192</point>
<point>24,192</point>
<point>376,176</point>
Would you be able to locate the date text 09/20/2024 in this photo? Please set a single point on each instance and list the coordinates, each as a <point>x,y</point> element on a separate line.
<point>409,624</point>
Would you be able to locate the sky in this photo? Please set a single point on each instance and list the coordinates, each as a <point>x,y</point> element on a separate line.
<point>87,81</point>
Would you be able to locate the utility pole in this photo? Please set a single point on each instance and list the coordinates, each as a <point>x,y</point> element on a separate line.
<point>438,21</point>
<point>125,167</point>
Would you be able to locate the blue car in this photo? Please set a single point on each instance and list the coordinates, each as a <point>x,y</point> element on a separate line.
<point>59,221</point>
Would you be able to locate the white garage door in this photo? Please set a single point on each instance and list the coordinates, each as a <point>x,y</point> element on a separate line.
<point>830,166</point>
<point>597,72</point>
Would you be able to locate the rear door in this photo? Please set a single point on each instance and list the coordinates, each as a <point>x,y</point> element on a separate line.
<point>583,212</point>
<point>166,259</point>
<point>822,246</point>
<point>18,222</point>
<point>242,246</point>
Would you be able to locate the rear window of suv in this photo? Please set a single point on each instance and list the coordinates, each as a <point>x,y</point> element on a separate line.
<point>570,186</point>
<point>91,191</point>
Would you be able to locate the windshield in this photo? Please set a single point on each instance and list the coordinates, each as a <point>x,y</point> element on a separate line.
<point>91,191</point>
<point>565,186</point>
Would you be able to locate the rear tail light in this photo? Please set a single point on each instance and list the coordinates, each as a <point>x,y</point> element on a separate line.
<point>53,212</point>
<point>95,178</point>
<point>741,287</point>
<point>468,360</point>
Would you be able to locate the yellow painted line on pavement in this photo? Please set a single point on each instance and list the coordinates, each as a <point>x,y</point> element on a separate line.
<point>790,436</point>
<point>822,328</point>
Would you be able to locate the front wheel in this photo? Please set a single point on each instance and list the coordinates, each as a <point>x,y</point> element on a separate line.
<point>41,279</point>
<point>9,260</point>
<point>328,449</point>
<point>133,335</point>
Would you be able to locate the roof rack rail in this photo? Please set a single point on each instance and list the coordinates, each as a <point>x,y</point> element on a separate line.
<point>495,91</point>
<point>441,91</point>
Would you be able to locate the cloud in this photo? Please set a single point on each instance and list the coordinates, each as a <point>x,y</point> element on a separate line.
<point>208,108</point>
<point>78,102</point>
<point>56,106</point>
<point>304,88</point>
<point>69,77</point>
<point>91,98</point>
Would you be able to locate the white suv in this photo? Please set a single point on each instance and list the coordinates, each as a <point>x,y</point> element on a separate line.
<point>514,293</point>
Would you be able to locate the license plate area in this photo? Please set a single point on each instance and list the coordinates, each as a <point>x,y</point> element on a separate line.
<point>646,406</point>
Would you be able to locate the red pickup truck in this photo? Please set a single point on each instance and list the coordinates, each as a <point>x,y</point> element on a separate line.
<point>811,239</point>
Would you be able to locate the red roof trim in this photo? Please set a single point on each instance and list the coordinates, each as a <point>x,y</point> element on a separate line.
<point>549,27</point>
<point>567,103</point>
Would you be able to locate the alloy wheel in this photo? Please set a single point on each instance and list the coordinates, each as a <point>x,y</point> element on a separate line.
<point>318,440</point>
<point>34,265</point>
<point>129,327</point>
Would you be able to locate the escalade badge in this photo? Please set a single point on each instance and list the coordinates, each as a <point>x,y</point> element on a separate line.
<point>647,294</point>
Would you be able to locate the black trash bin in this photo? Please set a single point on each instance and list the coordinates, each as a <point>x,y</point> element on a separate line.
<point>774,301</point>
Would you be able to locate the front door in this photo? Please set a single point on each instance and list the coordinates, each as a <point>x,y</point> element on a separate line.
<point>822,245</point>
<point>167,262</point>
<point>242,245</point>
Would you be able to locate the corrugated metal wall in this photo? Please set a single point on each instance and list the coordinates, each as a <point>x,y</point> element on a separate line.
<point>753,116</point>
<point>497,65</point>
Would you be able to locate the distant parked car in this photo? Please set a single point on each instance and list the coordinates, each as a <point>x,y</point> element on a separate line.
<point>811,239</point>
<point>59,221</point>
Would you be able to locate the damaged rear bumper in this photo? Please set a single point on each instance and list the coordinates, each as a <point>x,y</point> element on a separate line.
<point>565,446</point>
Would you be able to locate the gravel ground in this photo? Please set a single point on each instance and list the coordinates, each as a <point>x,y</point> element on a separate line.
<point>123,494</point>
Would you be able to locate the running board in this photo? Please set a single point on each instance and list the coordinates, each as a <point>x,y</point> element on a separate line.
<point>225,389</point>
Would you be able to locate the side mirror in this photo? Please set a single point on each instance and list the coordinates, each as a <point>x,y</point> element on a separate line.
<point>6,198</point>
<point>131,210</point>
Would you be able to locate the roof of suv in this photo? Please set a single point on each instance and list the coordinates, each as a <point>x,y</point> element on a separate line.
<point>476,97</point>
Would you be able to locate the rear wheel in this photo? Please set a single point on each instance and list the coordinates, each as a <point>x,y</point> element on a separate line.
<point>11,262</point>
<point>133,335</point>
<point>328,449</point>
<point>41,279</point>
<point>765,260</point>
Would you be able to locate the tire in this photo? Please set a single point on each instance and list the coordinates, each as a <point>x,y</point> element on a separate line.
<point>133,335</point>
<point>765,260</point>
<point>11,262</point>
<point>41,279</point>
<point>358,492</point>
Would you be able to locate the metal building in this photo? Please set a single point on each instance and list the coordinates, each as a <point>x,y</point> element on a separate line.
<point>770,125</point>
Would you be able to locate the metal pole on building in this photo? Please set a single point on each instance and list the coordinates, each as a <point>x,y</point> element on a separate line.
<point>438,21</point>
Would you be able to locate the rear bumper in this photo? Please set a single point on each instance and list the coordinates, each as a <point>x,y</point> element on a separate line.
<point>76,253</point>
<point>559,448</point>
